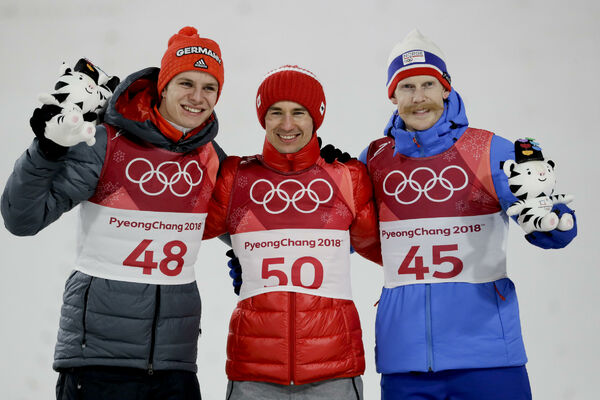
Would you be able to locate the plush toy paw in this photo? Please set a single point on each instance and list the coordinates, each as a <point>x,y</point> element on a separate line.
<point>548,222</point>
<point>69,129</point>
<point>565,222</point>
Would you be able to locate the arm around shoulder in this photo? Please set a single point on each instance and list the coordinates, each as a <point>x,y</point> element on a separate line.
<point>218,207</point>
<point>364,231</point>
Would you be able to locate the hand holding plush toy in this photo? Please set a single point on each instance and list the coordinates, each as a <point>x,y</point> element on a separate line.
<point>532,179</point>
<point>69,115</point>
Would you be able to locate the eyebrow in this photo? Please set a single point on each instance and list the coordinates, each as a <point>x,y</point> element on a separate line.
<point>273,108</point>
<point>183,79</point>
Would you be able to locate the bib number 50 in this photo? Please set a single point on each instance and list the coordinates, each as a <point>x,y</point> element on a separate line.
<point>268,270</point>
<point>419,270</point>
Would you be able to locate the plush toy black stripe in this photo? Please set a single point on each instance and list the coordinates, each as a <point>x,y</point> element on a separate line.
<point>60,97</point>
<point>60,84</point>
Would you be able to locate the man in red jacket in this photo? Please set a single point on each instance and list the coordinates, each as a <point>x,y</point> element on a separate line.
<point>292,218</point>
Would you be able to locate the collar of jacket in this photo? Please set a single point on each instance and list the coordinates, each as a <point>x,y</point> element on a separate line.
<point>435,140</point>
<point>172,132</point>
<point>131,108</point>
<point>302,159</point>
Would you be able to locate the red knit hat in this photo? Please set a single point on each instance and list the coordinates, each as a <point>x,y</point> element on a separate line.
<point>189,52</point>
<point>291,83</point>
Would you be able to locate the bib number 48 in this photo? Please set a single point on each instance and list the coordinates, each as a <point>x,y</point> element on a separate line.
<point>173,252</point>
<point>420,270</point>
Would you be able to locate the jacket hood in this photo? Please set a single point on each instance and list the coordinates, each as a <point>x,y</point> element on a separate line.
<point>131,108</point>
<point>440,137</point>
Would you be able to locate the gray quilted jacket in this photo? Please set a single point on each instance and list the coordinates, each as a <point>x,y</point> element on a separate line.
<point>107,322</point>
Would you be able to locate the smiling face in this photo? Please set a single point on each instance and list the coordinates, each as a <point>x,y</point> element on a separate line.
<point>420,101</point>
<point>288,126</point>
<point>189,98</point>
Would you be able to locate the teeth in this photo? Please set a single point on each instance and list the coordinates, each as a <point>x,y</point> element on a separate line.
<point>287,137</point>
<point>190,109</point>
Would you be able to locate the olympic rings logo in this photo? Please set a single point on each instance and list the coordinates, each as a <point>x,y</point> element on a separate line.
<point>285,197</point>
<point>162,176</point>
<point>430,184</point>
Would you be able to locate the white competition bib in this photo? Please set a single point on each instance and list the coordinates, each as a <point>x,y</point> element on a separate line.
<point>445,249</point>
<point>138,246</point>
<point>312,261</point>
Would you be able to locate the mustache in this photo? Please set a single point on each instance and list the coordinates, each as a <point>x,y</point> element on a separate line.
<point>430,105</point>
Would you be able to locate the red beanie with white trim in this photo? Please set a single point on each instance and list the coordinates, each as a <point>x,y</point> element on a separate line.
<point>291,83</point>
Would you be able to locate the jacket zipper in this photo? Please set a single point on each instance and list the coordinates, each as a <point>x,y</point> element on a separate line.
<point>292,334</point>
<point>85,304</point>
<point>428,327</point>
<point>153,336</point>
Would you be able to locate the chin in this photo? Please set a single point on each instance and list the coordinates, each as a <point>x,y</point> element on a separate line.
<point>193,124</point>
<point>420,125</point>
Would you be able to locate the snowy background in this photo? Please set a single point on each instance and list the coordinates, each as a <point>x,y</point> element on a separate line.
<point>523,68</point>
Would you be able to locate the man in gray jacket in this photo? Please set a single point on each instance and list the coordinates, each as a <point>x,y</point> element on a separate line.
<point>131,313</point>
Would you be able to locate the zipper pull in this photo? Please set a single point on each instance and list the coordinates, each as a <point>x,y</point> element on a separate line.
<point>150,370</point>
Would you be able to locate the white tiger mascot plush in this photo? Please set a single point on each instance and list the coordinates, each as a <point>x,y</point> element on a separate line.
<point>81,94</point>
<point>532,179</point>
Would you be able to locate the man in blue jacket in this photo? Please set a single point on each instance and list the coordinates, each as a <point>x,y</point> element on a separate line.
<point>447,324</point>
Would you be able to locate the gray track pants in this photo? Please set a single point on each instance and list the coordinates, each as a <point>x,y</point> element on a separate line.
<point>333,389</point>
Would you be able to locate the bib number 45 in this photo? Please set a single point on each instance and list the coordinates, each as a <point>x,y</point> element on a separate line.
<point>420,270</point>
<point>173,252</point>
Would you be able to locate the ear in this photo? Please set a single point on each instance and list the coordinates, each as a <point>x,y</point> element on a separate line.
<point>508,166</point>
<point>64,68</point>
<point>102,79</point>
<point>446,94</point>
<point>113,83</point>
<point>551,163</point>
<point>394,100</point>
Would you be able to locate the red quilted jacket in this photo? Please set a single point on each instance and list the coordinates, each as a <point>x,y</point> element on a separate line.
<point>288,337</point>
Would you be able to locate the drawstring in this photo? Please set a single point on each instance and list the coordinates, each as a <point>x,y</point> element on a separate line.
<point>497,291</point>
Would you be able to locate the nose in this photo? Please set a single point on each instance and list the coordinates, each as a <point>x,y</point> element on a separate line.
<point>287,123</point>
<point>196,95</point>
<point>419,95</point>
